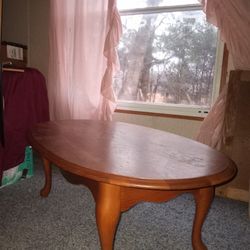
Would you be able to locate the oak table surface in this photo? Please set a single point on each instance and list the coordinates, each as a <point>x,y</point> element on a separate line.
<point>123,164</point>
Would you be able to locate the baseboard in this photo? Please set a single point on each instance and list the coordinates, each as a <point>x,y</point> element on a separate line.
<point>233,193</point>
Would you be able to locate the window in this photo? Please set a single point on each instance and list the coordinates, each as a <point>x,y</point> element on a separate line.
<point>168,56</point>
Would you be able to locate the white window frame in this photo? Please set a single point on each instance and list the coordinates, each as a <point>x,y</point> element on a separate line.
<point>175,109</point>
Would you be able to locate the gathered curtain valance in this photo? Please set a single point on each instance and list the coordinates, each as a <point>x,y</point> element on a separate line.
<point>233,21</point>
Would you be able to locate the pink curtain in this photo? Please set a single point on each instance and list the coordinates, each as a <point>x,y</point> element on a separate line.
<point>83,37</point>
<point>233,20</point>
<point>232,17</point>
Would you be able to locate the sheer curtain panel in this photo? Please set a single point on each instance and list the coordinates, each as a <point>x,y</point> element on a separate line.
<point>82,40</point>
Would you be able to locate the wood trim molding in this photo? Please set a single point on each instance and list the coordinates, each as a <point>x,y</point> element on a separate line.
<point>224,68</point>
<point>185,117</point>
<point>233,193</point>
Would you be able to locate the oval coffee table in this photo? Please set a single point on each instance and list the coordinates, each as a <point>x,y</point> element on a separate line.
<point>123,164</point>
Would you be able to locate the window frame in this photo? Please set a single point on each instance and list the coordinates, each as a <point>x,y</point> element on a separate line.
<point>174,109</point>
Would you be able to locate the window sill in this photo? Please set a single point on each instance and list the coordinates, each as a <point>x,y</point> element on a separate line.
<point>158,114</point>
<point>178,111</point>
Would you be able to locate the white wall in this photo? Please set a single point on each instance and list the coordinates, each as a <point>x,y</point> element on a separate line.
<point>39,44</point>
<point>15,21</point>
<point>184,127</point>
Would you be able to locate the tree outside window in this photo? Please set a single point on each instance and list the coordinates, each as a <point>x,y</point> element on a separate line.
<point>166,58</point>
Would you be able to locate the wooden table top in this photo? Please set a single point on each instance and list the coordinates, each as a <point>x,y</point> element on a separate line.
<point>130,155</point>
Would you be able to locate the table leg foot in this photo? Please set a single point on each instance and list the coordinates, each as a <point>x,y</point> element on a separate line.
<point>47,171</point>
<point>203,198</point>
<point>107,213</point>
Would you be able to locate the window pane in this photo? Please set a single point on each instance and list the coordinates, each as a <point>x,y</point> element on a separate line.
<point>126,5</point>
<point>167,59</point>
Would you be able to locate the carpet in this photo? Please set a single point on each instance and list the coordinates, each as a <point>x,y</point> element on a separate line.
<point>66,220</point>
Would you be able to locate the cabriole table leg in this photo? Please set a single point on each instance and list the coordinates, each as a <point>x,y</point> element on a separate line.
<point>47,171</point>
<point>203,198</point>
<point>107,213</point>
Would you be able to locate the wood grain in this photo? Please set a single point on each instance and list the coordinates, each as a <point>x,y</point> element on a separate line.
<point>129,155</point>
<point>124,164</point>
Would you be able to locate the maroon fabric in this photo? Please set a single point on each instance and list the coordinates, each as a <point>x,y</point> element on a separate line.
<point>25,103</point>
